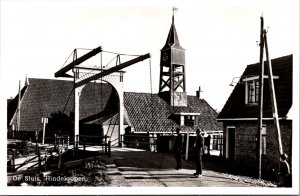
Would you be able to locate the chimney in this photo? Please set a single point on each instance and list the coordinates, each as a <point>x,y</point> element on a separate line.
<point>198,93</point>
<point>26,81</point>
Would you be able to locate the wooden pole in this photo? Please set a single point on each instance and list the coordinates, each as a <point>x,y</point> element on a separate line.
<point>59,160</point>
<point>13,160</point>
<point>273,96</point>
<point>77,92</point>
<point>84,144</point>
<point>260,107</point>
<point>105,144</point>
<point>109,148</point>
<point>187,146</point>
<point>77,142</point>
<point>19,112</point>
<point>54,140</point>
<point>44,121</point>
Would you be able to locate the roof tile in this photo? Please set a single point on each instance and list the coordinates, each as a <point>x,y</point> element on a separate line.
<point>235,106</point>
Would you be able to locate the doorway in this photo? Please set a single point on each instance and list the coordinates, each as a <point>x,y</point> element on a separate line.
<point>230,143</point>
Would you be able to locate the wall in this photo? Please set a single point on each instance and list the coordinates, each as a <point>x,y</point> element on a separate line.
<point>245,143</point>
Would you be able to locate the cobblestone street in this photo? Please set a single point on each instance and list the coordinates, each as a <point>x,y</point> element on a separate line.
<point>133,167</point>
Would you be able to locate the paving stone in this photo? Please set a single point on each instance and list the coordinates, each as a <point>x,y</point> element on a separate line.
<point>148,169</point>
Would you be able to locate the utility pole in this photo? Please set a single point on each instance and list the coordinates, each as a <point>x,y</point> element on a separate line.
<point>263,43</point>
<point>273,95</point>
<point>260,106</point>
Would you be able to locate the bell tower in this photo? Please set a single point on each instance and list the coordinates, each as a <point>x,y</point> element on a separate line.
<point>172,70</point>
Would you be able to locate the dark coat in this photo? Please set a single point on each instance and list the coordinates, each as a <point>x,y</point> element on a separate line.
<point>284,179</point>
<point>178,143</point>
<point>199,146</point>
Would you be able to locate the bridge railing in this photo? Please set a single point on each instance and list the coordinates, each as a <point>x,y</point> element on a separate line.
<point>89,140</point>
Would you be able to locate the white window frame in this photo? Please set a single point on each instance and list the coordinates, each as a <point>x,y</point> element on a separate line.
<point>253,79</point>
<point>255,85</point>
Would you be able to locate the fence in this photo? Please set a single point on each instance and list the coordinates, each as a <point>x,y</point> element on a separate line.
<point>140,141</point>
<point>30,152</point>
<point>27,155</point>
<point>88,140</point>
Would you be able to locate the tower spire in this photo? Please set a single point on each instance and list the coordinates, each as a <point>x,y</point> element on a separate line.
<point>172,69</point>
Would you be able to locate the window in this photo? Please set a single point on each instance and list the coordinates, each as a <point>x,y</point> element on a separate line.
<point>189,120</point>
<point>186,119</point>
<point>217,142</point>
<point>252,91</point>
<point>252,88</point>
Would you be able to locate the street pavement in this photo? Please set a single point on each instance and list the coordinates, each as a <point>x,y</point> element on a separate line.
<point>134,167</point>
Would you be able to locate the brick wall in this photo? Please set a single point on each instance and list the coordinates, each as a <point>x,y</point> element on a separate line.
<point>245,144</point>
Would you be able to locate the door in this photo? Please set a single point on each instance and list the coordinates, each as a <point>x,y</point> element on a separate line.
<point>230,143</point>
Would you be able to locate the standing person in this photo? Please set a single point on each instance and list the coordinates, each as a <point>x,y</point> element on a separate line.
<point>207,143</point>
<point>198,149</point>
<point>285,173</point>
<point>178,149</point>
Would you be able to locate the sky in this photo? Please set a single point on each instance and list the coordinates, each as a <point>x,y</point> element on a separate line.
<point>220,38</point>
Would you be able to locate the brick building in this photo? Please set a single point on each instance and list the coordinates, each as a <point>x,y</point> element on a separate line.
<point>240,113</point>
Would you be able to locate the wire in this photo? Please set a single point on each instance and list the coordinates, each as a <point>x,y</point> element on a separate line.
<point>95,66</point>
<point>151,94</point>
<point>120,53</point>
<point>67,59</point>
<point>84,49</point>
<point>68,100</point>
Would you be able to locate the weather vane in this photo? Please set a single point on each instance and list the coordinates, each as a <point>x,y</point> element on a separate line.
<point>174,9</point>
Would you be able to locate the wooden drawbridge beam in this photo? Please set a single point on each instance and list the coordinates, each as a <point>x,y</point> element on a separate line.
<point>62,71</point>
<point>112,70</point>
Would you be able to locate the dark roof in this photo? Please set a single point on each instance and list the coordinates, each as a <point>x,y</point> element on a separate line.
<point>235,106</point>
<point>172,39</point>
<point>44,96</point>
<point>149,112</point>
<point>12,105</point>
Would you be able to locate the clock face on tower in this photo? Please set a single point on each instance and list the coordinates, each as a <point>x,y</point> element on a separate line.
<point>165,57</point>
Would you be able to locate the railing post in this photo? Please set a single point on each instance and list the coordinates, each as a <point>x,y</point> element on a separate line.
<point>187,145</point>
<point>121,141</point>
<point>13,160</point>
<point>109,148</point>
<point>39,156</point>
<point>105,144</point>
<point>84,144</point>
<point>77,142</point>
<point>45,160</point>
<point>68,142</point>
<point>58,143</point>
<point>59,159</point>
<point>54,140</point>
<point>221,145</point>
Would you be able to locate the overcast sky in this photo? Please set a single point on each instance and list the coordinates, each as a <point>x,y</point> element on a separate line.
<point>219,38</point>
